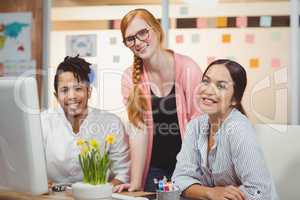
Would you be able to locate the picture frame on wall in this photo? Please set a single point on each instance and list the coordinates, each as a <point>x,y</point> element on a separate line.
<point>82,45</point>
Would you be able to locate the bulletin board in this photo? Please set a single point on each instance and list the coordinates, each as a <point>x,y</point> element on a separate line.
<point>35,7</point>
<point>264,53</point>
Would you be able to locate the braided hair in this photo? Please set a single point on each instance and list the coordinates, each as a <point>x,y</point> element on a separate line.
<point>137,102</point>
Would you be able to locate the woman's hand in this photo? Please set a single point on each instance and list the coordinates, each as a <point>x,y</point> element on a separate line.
<point>121,187</point>
<point>126,186</point>
<point>224,193</point>
<point>50,184</point>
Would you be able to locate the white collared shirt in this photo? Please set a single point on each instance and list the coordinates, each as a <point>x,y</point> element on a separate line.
<point>62,151</point>
<point>235,159</point>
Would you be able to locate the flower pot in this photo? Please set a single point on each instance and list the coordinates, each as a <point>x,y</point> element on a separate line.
<point>84,191</point>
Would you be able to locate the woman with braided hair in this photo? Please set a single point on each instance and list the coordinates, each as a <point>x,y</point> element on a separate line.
<point>74,119</point>
<point>158,91</point>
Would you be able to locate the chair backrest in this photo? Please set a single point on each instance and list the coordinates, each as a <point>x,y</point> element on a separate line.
<point>281,148</point>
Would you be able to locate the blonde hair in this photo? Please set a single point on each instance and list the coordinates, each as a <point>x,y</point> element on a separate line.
<point>137,102</point>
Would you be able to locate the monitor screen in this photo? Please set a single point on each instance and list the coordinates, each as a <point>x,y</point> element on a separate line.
<point>22,159</point>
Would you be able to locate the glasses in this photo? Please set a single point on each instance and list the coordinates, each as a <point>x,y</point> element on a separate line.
<point>141,35</point>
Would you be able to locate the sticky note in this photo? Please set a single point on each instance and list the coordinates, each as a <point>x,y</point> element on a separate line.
<point>254,63</point>
<point>2,41</point>
<point>173,23</point>
<point>179,39</point>
<point>116,59</point>
<point>116,24</point>
<point>183,10</point>
<point>250,38</point>
<point>226,38</point>
<point>221,22</point>
<point>211,22</point>
<point>265,21</point>
<point>275,62</point>
<point>195,38</point>
<point>275,36</point>
<point>201,22</point>
<point>112,40</point>
<point>241,22</point>
<point>210,59</point>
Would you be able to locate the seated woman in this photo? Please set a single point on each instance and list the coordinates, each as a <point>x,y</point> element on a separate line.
<point>74,119</point>
<point>220,156</point>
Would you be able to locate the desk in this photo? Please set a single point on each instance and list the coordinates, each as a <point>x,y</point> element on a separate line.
<point>9,195</point>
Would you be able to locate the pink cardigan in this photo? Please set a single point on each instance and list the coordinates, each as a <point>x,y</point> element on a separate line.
<point>188,76</point>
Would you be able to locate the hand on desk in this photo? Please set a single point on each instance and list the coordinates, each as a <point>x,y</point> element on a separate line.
<point>228,192</point>
<point>126,186</point>
<point>50,184</point>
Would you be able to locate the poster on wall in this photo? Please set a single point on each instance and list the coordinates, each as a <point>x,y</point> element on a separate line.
<point>15,36</point>
<point>18,68</point>
<point>84,45</point>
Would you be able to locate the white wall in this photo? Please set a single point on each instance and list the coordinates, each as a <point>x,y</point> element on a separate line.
<point>266,95</point>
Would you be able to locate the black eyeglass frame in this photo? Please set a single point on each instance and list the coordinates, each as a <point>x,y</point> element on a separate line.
<point>136,36</point>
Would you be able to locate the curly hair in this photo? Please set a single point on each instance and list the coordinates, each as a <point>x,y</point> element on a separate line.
<point>78,66</point>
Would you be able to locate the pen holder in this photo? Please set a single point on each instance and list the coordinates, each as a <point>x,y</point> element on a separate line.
<point>170,195</point>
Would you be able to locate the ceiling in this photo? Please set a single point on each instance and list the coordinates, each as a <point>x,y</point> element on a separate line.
<point>63,3</point>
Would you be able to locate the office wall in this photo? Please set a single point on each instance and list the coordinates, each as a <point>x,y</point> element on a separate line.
<point>36,8</point>
<point>262,46</point>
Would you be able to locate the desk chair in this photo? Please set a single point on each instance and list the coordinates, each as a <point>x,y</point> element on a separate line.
<point>280,144</point>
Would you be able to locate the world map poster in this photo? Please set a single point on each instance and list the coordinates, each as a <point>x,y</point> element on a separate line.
<point>15,36</point>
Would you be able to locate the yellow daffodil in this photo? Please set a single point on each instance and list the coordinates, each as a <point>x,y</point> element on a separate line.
<point>80,142</point>
<point>94,144</point>
<point>110,139</point>
<point>93,162</point>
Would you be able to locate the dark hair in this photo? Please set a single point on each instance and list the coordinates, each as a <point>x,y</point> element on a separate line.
<point>239,77</point>
<point>78,66</point>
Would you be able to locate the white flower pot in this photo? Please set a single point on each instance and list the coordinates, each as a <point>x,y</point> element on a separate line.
<point>84,191</point>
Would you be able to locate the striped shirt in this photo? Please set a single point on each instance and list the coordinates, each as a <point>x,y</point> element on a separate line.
<point>235,159</point>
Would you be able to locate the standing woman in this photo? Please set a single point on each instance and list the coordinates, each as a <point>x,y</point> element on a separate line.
<point>158,91</point>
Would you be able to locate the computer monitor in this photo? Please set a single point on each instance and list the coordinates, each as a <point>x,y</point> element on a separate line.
<point>22,158</point>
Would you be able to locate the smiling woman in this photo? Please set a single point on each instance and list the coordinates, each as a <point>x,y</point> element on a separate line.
<point>222,88</point>
<point>220,156</point>
<point>158,91</point>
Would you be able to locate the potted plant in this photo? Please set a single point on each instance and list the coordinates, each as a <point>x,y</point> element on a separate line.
<point>95,168</point>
